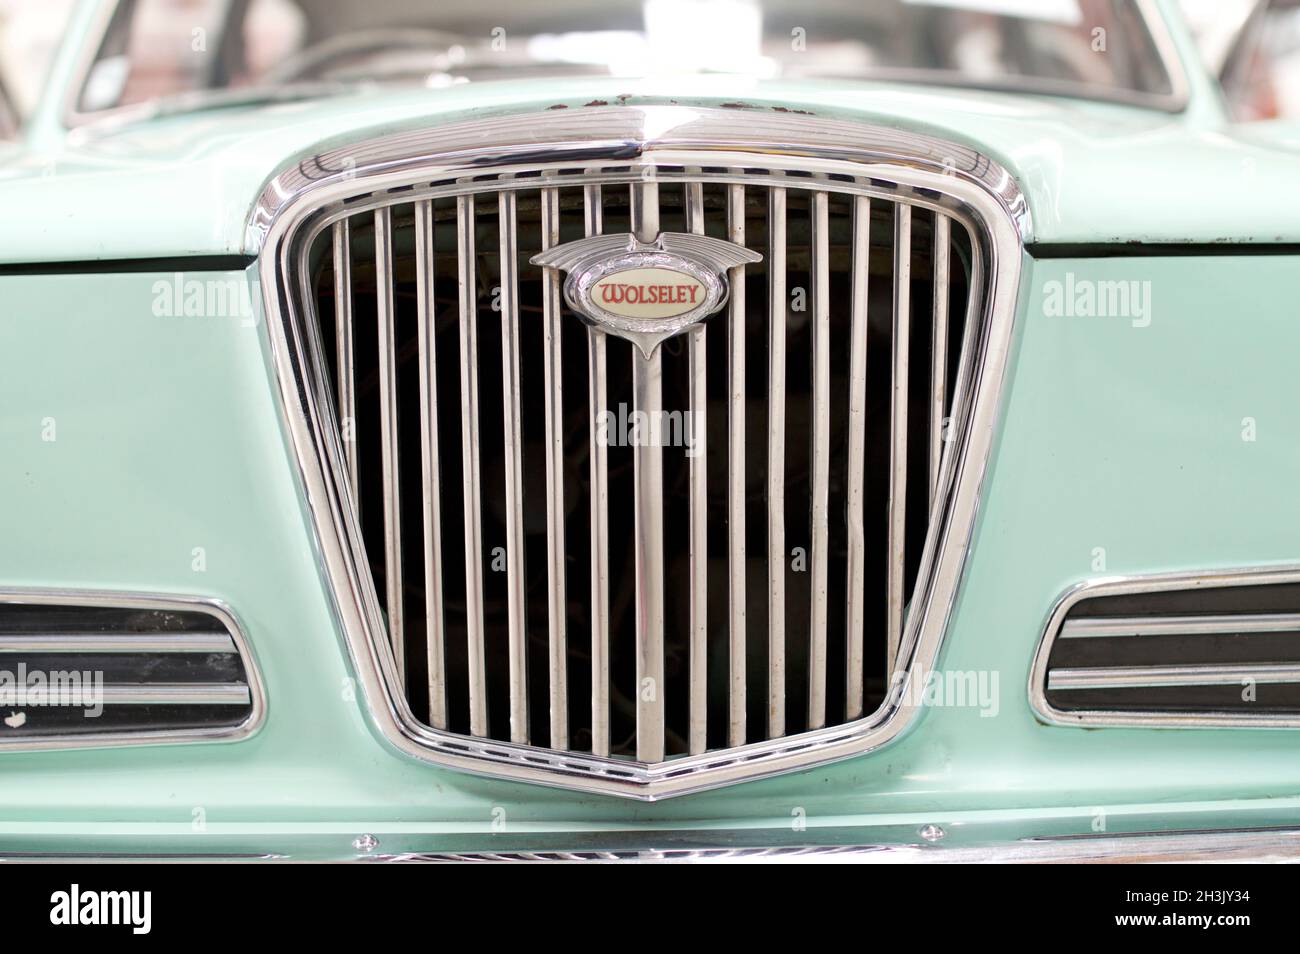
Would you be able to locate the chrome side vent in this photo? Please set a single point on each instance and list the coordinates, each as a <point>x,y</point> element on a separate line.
<point>103,668</point>
<point>1183,656</point>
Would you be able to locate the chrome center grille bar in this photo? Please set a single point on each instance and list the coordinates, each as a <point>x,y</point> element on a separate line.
<point>821,466</point>
<point>467,284</point>
<point>736,473</point>
<point>647,399</point>
<point>699,507</point>
<point>553,359</point>
<point>857,555</point>
<point>598,389</point>
<point>390,438</point>
<point>776,567</point>
<point>902,316</point>
<point>430,471</point>
<point>514,468</point>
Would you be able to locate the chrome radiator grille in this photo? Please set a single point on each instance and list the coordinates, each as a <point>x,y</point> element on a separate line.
<point>552,578</point>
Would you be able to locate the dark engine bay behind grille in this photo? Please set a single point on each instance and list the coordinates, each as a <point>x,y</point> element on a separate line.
<point>367,428</point>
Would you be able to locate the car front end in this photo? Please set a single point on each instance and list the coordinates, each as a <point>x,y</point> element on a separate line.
<point>534,462</point>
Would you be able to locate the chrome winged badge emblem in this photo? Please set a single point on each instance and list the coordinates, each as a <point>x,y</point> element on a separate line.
<point>646,293</point>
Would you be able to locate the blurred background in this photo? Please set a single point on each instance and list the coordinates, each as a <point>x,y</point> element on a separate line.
<point>29,32</point>
<point>1253,46</point>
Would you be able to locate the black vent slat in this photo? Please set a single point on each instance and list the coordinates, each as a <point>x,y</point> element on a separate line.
<point>1221,652</point>
<point>117,669</point>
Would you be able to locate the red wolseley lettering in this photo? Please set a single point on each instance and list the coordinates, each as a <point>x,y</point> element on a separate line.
<point>615,293</point>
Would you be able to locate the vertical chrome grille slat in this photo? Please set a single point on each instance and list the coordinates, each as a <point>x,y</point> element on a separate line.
<point>389,436</point>
<point>857,552</point>
<point>553,365</point>
<point>821,451</point>
<point>346,374</point>
<point>647,391</point>
<point>467,292</point>
<point>776,463</point>
<point>939,347</point>
<point>647,602</point>
<point>697,400</point>
<point>507,202</point>
<point>435,622</point>
<point>896,566</point>
<point>736,475</point>
<point>598,389</point>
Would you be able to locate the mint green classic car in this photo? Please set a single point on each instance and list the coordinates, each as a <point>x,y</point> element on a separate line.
<point>647,429</point>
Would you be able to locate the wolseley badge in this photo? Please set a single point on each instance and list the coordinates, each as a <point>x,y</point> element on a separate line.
<point>646,293</point>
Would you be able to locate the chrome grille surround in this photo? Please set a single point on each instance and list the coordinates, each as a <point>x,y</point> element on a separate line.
<point>903,168</point>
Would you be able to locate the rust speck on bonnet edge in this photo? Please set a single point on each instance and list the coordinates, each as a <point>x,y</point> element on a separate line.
<point>597,102</point>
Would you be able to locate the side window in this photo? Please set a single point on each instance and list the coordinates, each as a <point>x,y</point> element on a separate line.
<point>8,115</point>
<point>155,49</point>
<point>30,33</point>
<point>1253,49</point>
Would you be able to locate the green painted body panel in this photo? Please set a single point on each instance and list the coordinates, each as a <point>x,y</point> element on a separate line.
<point>168,438</point>
<point>1113,437</point>
<point>1091,172</point>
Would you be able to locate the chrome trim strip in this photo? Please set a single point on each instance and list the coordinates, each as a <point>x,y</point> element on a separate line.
<point>346,361</point>
<point>856,580</point>
<point>1109,626</point>
<point>1143,677</point>
<point>1176,846</point>
<point>556,591</point>
<point>598,387</point>
<point>430,467</point>
<point>89,642</point>
<point>819,517</point>
<point>648,476</point>
<point>884,162</point>
<point>512,428</point>
<point>387,338</point>
<point>647,468</point>
<point>724,138</point>
<point>776,332</point>
<point>736,648</point>
<point>896,568</point>
<point>1159,583</point>
<point>698,549</point>
<point>1168,847</point>
<point>467,292</point>
<point>129,857</point>
<point>255,698</point>
<point>939,347</point>
<point>175,694</point>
